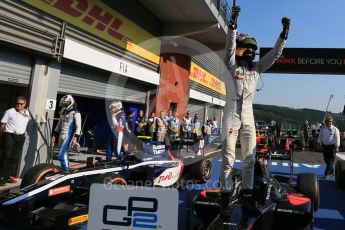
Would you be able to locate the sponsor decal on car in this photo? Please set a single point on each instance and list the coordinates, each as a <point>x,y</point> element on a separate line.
<point>158,149</point>
<point>78,219</point>
<point>59,190</point>
<point>168,177</point>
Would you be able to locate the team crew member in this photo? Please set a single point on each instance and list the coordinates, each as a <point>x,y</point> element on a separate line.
<point>306,129</point>
<point>196,127</point>
<point>118,124</point>
<point>329,139</point>
<point>152,125</point>
<point>207,131</point>
<point>141,124</point>
<point>169,115</point>
<point>161,125</point>
<point>238,112</point>
<point>68,128</point>
<point>187,125</point>
<point>174,127</point>
<point>13,125</point>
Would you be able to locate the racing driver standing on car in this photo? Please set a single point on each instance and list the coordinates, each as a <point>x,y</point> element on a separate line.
<point>118,124</point>
<point>69,128</point>
<point>238,112</point>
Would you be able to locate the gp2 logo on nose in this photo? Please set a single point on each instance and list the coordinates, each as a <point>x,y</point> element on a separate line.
<point>141,214</point>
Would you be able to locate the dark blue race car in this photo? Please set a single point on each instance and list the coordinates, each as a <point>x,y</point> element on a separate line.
<point>51,199</point>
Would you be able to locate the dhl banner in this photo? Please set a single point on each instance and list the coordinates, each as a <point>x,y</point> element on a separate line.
<point>203,77</point>
<point>102,21</point>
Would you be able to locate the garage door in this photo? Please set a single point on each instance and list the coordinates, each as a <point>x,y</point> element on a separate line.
<point>84,81</point>
<point>14,68</point>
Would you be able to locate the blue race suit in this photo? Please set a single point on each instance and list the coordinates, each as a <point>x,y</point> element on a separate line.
<point>238,112</point>
<point>116,137</point>
<point>68,126</point>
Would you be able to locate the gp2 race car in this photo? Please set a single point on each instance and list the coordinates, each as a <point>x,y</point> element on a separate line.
<point>50,199</point>
<point>281,205</point>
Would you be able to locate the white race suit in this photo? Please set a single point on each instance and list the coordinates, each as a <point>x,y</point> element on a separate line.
<point>238,112</point>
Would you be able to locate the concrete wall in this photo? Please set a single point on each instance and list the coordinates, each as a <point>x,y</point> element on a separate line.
<point>44,83</point>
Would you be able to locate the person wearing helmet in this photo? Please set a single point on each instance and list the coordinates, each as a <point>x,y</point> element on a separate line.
<point>244,72</point>
<point>118,122</point>
<point>68,128</point>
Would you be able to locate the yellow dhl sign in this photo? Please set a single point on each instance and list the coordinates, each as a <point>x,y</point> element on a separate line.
<point>102,21</point>
<point>78,219</point>
<point>203,77</point>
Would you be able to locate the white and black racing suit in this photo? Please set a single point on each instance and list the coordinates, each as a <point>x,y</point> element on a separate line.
<point>68,126</point>
<point>238,111</point>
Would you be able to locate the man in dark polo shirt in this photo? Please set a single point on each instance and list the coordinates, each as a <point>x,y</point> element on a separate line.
<point>13,125</point>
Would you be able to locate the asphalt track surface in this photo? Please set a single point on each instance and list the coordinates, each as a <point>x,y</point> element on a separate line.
<point>331,214</point>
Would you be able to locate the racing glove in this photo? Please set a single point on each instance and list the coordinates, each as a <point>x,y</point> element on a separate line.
<point>286,25</point>
<point>235,11</point>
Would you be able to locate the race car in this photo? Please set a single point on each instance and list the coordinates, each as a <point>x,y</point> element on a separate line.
<point>340,173</point>
<point>51,199</point>
<point>294,138</point>
<point>281,204</point>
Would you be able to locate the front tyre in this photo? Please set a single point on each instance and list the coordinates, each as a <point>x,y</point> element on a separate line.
<point>38,173</point>
<point>202,170</point>
<point>308,185</point>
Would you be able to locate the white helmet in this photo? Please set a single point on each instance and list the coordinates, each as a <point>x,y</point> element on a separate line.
<point>67,102</point>
<point>115,106</point>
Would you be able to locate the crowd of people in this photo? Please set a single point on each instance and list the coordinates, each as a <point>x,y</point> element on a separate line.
<point>168,127</point>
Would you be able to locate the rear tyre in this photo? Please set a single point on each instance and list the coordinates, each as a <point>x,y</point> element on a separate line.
<point>340,173</point>
<point>308,185</point>
<point>110,178</point>
<point>38,173</point>
<point>202,170</point>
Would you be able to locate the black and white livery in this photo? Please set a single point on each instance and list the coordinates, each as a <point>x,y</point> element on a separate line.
<point>281,204</point>
<point>49,196</point>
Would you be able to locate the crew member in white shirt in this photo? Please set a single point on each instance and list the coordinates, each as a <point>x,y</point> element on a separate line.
<point>13,125</point>
<point>329,139</point>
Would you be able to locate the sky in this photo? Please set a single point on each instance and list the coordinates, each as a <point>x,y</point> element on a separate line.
<point>314,24</point>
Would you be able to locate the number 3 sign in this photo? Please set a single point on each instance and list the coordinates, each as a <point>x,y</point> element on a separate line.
<point>50,104</point>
